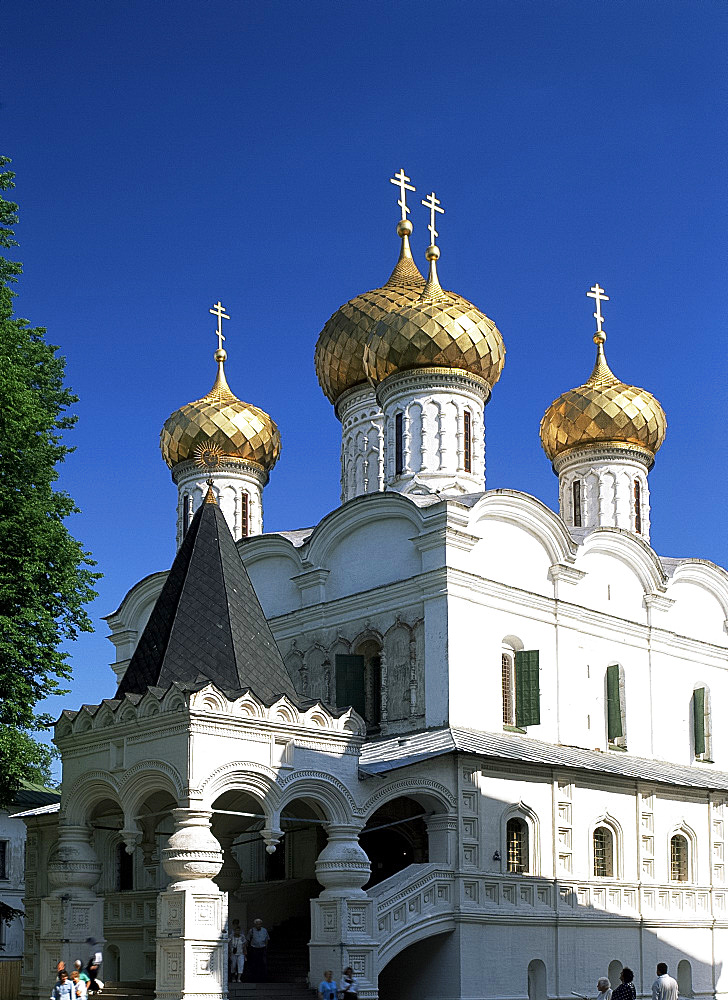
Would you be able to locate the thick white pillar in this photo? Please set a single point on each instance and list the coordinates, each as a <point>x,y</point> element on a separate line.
<point>605,487</point>
<point>342,918</point>
<point>238,489</point>
<point>192,914</point>
<point>434,431</point>
<point>362,442</point>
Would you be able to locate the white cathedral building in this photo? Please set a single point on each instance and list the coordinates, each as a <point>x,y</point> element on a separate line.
<point>460,742</point>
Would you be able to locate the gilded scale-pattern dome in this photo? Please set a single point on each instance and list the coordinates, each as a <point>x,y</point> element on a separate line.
<point>440,330</point>
<point>340,346</point>
<point>603,411</point>
<point>238,431</point>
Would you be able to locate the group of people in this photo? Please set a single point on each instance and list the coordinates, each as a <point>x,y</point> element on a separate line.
<point>252,947</point>
<point>81,981</point>
<point>663,988</point>
<point>346,990</point>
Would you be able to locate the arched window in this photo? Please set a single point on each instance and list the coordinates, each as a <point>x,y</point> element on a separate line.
<point>509,694</point>
<point>615,704</point>
<point>399,444</point>
<point>244,515</point>
<point>702,724</point>
<point>124,869</point>
<point>516,845</point>
<point>684,978</point>
<point>186,512</point>
<point>467,442</point>
<point>576,502</point>
<point>537,980</point>
<point>637,507</point>
<point>679,858</point>
<point>603,852</point>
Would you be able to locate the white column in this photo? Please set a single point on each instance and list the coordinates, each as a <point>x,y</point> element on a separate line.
<point>72,912</point>
<point>235,484</point>
<point>616,469</point>
<point>434,457</point>
<point>342,918</point>
<point>362,443</point>
<point>192,913</point>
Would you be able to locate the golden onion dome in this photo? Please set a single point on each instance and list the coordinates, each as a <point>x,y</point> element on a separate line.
<point>340,347</point>
<point>603,411</point>
<point>440,330</point>
<point>236,431</point>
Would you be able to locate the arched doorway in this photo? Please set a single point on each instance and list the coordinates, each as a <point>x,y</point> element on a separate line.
<point>537,989</point>
<point>394,837</point>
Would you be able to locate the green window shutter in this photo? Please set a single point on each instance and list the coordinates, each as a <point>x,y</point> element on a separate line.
<point>528,702</point>
<point>614,710</point>
<point>350,682</point>
<point>699,720</point>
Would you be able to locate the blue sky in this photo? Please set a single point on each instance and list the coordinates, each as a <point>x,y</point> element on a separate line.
<point>172,154</point>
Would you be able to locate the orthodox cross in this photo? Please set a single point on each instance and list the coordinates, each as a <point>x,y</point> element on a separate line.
<point>219,311</point>
<point>433,204</point>
<point>597,293</point>
<point>401,180</point>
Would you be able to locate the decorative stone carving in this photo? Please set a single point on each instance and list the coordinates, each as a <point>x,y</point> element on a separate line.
<point>342,867</point>
<point>192,852</point>
<point>75,865</point>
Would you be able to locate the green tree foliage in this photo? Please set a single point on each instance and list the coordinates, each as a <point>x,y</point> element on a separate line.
<point>44,576</point>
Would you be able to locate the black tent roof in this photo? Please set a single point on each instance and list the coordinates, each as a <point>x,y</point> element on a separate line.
<point>207,623</point>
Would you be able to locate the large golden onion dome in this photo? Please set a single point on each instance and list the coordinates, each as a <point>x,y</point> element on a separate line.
<point>340,346</point>
<point>237,431</point>
<point>440,330</point>
<point>603,411</point>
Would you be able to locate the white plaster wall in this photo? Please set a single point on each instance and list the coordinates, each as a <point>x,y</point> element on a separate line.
<point>362,443</point>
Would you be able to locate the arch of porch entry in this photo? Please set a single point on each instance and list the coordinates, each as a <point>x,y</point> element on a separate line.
<point>256,779</point>
<point>87,791</point>
<point>144,780</point>
<point>331,796</point>
<point>433,796</point>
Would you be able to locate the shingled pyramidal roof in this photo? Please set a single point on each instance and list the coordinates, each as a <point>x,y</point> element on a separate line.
<point>207,623</point>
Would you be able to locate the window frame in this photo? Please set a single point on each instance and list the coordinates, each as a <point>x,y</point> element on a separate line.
<point>4,860</point>
<point>608,862</point>
<point>399,443</point>
<point>576,503</point>
<point>522,812</point>
<point>467,441</point>
<point>681,834</point>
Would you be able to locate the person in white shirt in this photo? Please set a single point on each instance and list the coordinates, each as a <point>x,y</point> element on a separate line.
<point>604,988</point>
<point>349,984</point>
<point>664,987</point>
<point>236,947</point>
<point>258,938</point>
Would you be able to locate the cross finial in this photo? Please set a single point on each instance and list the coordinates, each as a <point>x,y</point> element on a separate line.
<point>433,204</point>
<point>597,293</point>
<point>401,180</point>
<point>219,311</point>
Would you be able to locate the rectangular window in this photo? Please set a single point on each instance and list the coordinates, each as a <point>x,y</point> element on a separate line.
<point>4,859</point>
<point>699,721</point>
<point>603,865</point>
<point>467,442</point>
<point>576,497</point>
<point>516,858</point>
<point>399,444</point>
<point>615,730</point>
<point>350,687</point>
<point>637,507</point>
<point>528,700</point>
<point>679,859</point>
<point>244,525</point>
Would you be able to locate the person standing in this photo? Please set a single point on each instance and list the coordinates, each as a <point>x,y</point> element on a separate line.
<point>350,986</point>
<point>625,990</point>
<point>604,989</point>
<point>80,987</point>
<point>664,987</point>
<point>258,938</point>
<point>236,947</point>
<point>327,987</point>
<point>64,988</point>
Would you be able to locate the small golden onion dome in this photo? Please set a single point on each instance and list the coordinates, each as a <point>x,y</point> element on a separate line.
<point>440,330</point>
<point>238,431</point>
<point>340,346</point>
<point>603,411</point>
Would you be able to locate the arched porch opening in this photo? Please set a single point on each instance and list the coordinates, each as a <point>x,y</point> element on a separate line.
<point>395,836</point>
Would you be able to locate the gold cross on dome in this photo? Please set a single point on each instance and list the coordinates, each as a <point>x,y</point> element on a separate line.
<point>433,204</point>
<point>597,293</point>
<point>401,180</point>
<point>219,310</point>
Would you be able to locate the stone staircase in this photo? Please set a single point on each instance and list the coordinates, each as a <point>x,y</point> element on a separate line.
<point>139,990</point>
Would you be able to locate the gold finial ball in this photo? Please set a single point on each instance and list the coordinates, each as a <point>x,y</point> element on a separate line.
<point>404,228</point>
<point>221,354</point>
<point>600,337</point>
<point>432,252</point>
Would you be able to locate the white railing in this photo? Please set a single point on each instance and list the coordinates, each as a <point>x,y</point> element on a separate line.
<point>414,904</point>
